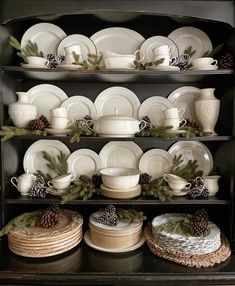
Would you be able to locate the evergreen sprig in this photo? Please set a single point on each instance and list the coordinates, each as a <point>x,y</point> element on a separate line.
<point>131,215</point>
<point>146,66</point>
<point>157,188</point>
<point>214,51</point>
<point>189,51</point>
<point>182,227</point>
<point>8,132</point>
<point>161,132</point>
<point>76,131</point>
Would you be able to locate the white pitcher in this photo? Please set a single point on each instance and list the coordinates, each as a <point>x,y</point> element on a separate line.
<point>24,182</point>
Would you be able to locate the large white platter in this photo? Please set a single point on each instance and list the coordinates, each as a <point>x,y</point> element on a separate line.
<point>33,159</point>
<point>89,242</point>
<point>193,150</point>
<point>117,98</point>
<point>118,40</point>
<point>121,154</point>
<point>87,46</point>
<point>185,97</point>
<point>156,162</point>
<point>84,162</point>
<point>46,97</point>
<point>46,35</point>
<point>154,42</point>
<point>185,37</point>
<point>79,106</point>
<point>153,107</point>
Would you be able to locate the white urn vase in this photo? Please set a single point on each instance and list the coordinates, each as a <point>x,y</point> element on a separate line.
<point>22,111</point>
<point>207,110</point>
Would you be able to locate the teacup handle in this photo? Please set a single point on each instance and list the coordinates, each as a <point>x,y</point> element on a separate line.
<point>171,50</point>
<point>183,122</point>
<point>141,57</point>
<point>71,121</point>
<point>199,179</point>
<point>165,177</point>
<point>172,61</point>
<point>50,184</point>
<point>144,124</point>
<point>73,177</point>
<point>181,111</point>
<point>187,186</point>
<point>214,62</point>
<point>47,63</point>
<point>87,124</point>
<point>14,181</point>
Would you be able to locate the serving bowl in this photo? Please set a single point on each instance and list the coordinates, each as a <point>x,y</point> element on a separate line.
<point>120,178</point>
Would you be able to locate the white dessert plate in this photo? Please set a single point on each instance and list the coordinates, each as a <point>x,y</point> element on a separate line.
<point>57,132</point>
<point>69,67</point>
<point>117,98</point>
<point>87,46</point>
<point>156,162</point>
<point>89,242</point>
<point>118,40</point>
<point>185,97</point>
<point>33,158</point>
<point>153,107</point>
<point>205,68</point>
<point>79,106</point>
<point>133,189</point>
<point>186,37</point>
<point>46,97</point>
<point>114,194</point>
<point>164,68</point>
<point>121,154</point>
<point>193,150</point>
<point>178,194</point>
<point>154,42</point>
<point>84,162</point>
<point>30,66</point>
<point>46,35</point>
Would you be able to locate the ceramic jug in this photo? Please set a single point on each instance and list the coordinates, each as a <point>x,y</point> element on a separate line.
<point>24,182</point>
<point>211,183</point>
<point>22,111</point>
<point>207,110</point>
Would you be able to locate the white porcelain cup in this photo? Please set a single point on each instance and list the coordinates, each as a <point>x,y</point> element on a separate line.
<point>174,112</point>
<point>62,182</point>
<point>69,58</point>
<point>167,60</point>
<point>61,122</point>
<point>59,112</point>
<point>211,183</point>
<point>163,50</point>
<point>199,62</point>
<point>34,60</point>
<point>174,123</point>
<point>176,183</point>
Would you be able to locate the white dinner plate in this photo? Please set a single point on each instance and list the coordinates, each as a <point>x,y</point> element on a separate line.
<point>46,97</point>
<point>117,98</point>
<point>186,37</point>
<point>193,150</point>
<point>90,243</point>
<point>118,40</point>
<point>156,162</point>
<point>185,97</point>
<point>30,66</point>
<point>46,35</point>
<point>86,44</point>
<point>79,106</point>
<point>153,107</point>
<point>84,162</point>
<point>121,154</point>
<point>154,42</point>
<point>33,158</point>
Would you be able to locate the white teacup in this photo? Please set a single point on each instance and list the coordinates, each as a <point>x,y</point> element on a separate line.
<point>199,62</point>
<point>163,50</point>
<point>69,58</point>
<point>39,61</point>
<point>167,60</point>
<point>59,112</point>
<point>176,183</point>
<point>61,122</point>
<point>174,112</point>
<point>61,182</point>
<point>174,123</point>
<point>211,183</point>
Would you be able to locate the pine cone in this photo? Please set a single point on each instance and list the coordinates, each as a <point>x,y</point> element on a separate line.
<point>144,178</point>
<point>40,180</point>
<point>44,120</point>
<point>109,216</point>
<point>191,123</point>
<point>199,223</point>
<point>195,193</point>
<point>35,124</point>
<point>38,191</point>
<point>145,124</point>
<point>226,61</point>
<point>49,218</point>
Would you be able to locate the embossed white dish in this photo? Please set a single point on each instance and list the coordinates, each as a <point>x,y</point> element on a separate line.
<point>79,106</point>
<point>121,154</point>
<point>153,107</point>
<point>156,162</point>
<point>46,35</point>
<point>46,97</point>
<point>118,40</point>
<point>57,132</point>
<point>193,150</point>
<point>31,66</point>
<point>84,162</point>
<point>117,98</point>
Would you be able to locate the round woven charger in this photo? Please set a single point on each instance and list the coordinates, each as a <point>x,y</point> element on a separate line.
<point>191,260</point>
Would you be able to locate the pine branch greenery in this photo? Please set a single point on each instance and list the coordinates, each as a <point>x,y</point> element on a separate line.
<point>30,49</point>
<point>146,66</point>
<point>23,220</point>
<point>131,215</point>
<point>157,188</point>
<point>214,51</point>
<point>182,227</point>
<point>8,132</point>
<point>161,132</point>
<point>189,51</point>
<point>76,131</point>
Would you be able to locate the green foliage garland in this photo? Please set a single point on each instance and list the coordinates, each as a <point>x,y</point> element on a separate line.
<point>130,215</point>
<point>8,132</point>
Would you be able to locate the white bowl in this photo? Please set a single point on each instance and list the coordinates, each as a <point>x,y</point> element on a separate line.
<point>120,178</point>
<point>119,62</point>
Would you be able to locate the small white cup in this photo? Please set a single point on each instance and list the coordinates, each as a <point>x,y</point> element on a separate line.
<point>163,50</point>
<point>61,182</point>
<point>69,58</point>
<point>176,183</point>
<point>174,112</point>
<point>34,60</point>
<point>61,122</point>
<point>59,112</point>
<point>174,123</point>
<point>167,60</point>
<point>199,62</point>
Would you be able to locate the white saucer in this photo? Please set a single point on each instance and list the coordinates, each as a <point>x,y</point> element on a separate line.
<point>117,136</point>
<point>164,68</point>
<point>135,188</point>
<point>205,67</point>
<point>179,194</point>
<point>55,192</point>
<point>69,67</point>
<point>30,66</point>
<point>58,132</point>
<point>112,250</point>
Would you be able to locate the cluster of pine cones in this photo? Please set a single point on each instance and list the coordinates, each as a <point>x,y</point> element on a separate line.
<point>109,216</point>
<point>199,223</point>
<point>50,217</point>
<point>38,124</point>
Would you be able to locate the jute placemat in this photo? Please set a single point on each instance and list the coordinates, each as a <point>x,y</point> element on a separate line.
<point>194,260</point>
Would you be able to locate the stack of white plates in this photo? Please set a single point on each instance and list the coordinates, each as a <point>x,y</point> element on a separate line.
<point>41,242</point>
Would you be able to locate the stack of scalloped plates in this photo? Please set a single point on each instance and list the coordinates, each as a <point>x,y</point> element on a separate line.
<point>41,242</point>
<point>120,194</point>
